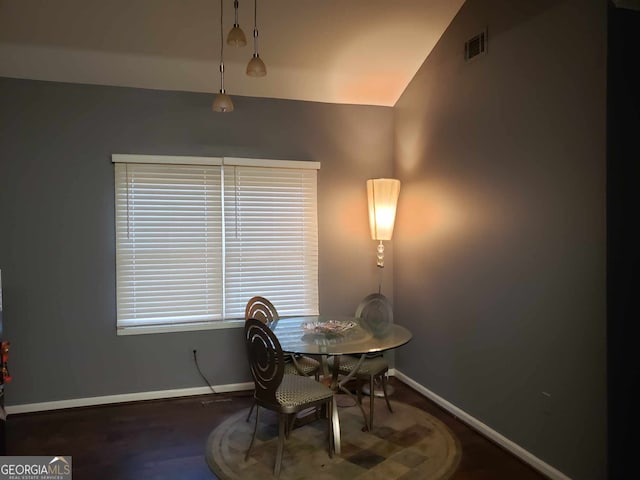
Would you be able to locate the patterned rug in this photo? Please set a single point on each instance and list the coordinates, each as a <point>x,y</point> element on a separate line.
<point>408,444</point>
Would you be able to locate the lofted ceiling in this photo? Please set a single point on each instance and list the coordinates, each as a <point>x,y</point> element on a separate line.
<point>336,51</point>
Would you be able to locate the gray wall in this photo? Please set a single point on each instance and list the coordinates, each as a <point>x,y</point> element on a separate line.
<point>57,242</point>
<point>500,238</point>
<point>499,244</point>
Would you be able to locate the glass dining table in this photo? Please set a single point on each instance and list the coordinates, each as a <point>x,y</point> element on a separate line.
<point>336,336</point>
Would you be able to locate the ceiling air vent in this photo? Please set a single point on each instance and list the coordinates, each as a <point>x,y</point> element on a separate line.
<point>475,46</point>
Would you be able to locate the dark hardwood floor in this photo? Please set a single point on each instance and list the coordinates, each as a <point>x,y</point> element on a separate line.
<point>165,439</point>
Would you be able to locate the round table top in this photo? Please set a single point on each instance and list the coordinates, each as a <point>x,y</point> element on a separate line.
<point>313,335</point>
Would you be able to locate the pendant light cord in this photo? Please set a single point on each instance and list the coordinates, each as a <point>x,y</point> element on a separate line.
<point>255,28</point>
<point>221,49</point>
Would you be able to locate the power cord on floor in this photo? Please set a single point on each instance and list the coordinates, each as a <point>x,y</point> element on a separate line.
<point>205,402</point>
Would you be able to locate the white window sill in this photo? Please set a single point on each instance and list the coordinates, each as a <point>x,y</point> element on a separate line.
<point>238,323</point>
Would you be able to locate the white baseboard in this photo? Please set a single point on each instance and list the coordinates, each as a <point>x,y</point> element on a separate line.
<point>130,397</point>
<point>485,430</point>
<point>125,397</point>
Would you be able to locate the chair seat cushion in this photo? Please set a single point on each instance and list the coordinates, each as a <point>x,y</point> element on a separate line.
<point>307,365</point>
<point>296,390</point>
<point>370,366</point>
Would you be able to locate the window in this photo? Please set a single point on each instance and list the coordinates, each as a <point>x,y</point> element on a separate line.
<point>197,237</point>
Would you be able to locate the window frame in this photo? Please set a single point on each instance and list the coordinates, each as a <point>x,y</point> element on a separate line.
<point>221,162</point>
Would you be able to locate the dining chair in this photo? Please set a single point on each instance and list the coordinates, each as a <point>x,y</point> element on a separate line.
<point>277,391</point>
<point>376,315</point>
<point>262,309</point>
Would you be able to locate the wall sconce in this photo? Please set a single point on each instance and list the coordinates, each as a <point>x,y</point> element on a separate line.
<point>382,194</point>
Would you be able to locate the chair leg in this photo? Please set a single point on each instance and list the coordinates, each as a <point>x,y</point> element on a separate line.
<point>255,429</point>
<point>291,420</point>
<point>384,390</point>
<point>330,406</point>
<point>371,402</point>
<point>251,411</point>
<point>282,420</point>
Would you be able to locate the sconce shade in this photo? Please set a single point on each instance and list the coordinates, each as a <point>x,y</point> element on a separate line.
<point>382,194</point>
<point>222,103</point>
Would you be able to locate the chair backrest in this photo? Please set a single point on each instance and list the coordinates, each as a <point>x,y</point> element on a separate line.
<point>376,314</point>
<point>261,309</point>
<point>266,360</point>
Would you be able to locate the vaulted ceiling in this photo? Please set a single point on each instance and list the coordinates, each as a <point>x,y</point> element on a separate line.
<point>337,51</point>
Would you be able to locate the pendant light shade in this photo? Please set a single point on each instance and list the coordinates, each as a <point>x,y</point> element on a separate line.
<point>222,103</point>
<point>256,67</point>
<point>236,37</point>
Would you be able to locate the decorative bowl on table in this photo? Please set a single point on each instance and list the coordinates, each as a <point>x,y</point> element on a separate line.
<point>330,327</point>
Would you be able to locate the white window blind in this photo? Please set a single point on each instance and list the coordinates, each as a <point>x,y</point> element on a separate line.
<point>271,240</point>
<point>195,242</point>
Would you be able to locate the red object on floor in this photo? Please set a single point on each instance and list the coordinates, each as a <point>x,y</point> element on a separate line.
<point>5,376</point>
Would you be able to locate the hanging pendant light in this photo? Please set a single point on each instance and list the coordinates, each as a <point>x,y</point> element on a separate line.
<point>222,102</point>
<point>236,37</point>
<point>256,67</point>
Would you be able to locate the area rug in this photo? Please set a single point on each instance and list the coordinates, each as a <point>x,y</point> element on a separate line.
<point>408,444</point>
